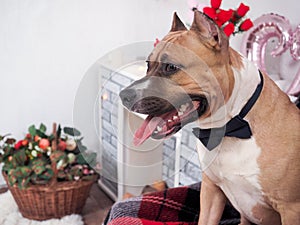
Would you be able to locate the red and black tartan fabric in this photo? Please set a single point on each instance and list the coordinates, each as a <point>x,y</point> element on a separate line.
<point>174,206</point>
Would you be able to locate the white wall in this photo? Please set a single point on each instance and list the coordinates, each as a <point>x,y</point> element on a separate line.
<point>46,47</point>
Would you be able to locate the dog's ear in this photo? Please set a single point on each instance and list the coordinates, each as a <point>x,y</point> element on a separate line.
<point>209,30</point>
<point>177,24</point>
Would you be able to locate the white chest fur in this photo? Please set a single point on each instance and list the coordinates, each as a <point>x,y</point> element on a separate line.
<point>233,167</point>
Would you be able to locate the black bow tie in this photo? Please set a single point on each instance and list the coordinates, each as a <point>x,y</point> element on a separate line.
<point>236,127</point>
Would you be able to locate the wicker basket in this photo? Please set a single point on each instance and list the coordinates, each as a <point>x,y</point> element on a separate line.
<point>52,200</point>
<point>56,200</point>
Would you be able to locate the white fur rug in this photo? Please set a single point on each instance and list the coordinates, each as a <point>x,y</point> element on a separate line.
<point>10,215</point>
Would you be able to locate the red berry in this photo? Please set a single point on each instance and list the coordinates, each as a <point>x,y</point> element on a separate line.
<point>62,145</point>
<point>44,143</point>
<point>25,142</point>
<point>18,144</point>
<point>86,171</point>
<point>36,138</point>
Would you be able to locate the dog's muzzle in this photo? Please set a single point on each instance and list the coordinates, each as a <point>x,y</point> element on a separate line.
<point>167,105</point>
<point>141,102</point>
<point>148,96</point>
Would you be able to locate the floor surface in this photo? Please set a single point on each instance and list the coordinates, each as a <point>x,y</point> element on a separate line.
<point>96,207</point>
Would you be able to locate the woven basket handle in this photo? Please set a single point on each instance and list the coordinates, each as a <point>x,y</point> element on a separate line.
<point>53,163</point>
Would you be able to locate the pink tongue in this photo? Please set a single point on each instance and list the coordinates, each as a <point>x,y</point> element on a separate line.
<point>150,124</point>
<point>146,129</point>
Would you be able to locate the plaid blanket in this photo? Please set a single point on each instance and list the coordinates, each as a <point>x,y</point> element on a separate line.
<point>174,206</point>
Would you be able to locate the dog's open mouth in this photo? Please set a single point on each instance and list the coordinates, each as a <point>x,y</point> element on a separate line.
<point>166,124</point>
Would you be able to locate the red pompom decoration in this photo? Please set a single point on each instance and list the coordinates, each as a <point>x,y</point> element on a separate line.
<point>229,29</point>
<point>210,12</point>
<point>246,25</point>
<point>215,3</point>
<point>242,10</point>
<point>224,15</point>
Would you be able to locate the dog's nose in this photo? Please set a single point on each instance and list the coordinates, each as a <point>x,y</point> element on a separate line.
<point>128,97</point>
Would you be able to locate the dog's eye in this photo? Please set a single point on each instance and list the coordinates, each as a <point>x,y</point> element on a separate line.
<point>170,68</point>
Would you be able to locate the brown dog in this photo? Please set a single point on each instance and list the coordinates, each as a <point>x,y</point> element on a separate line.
<point>250,131</point>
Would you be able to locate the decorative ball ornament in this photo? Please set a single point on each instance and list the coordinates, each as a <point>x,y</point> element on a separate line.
<point>266,27</point>
<point>273,26</point>
<point>295,44</point>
